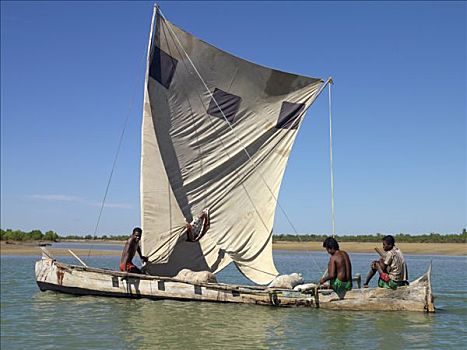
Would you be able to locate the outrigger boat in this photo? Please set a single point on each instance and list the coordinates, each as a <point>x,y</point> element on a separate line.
<point>80,280</point>
<point>217,132</point>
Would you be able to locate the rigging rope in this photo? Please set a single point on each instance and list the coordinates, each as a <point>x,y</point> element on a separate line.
<point>200,151</point>
<point>333,216</point>
<point>236,136</point>
<point>230,126</point>
<point>228,123</point>
<point>173,35</point>
<point>120,141</point>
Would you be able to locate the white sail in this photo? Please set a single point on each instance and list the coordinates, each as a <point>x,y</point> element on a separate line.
<point>220,142</point>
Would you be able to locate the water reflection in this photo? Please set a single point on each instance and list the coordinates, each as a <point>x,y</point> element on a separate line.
<point>32,319</point>
<point>399,329</point>
<point>161,323</point>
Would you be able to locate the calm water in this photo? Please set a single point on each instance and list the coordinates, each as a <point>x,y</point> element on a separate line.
<point>47,320</point>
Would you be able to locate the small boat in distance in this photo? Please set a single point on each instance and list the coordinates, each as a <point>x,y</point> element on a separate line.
<point>217,132</point>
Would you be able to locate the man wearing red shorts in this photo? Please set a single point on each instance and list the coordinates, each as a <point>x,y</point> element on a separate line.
<point>131,247</point>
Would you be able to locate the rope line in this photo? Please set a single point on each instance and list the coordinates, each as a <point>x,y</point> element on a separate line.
<point>199,148</point>
<point>333,216</point>
<point>225,118</point>
<point>120,142</point>
<point>311,100</point>
<point>210,120</point>
<point>231,128</point>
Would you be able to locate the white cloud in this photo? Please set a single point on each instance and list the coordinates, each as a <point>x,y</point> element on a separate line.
<point>75,199</point>
<point>56,197</point>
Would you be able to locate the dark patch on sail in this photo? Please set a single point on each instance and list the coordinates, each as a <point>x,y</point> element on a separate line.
<point>289,115</point>
<point>162,67</point>
<point>228,103</point>
<point>281,83</point>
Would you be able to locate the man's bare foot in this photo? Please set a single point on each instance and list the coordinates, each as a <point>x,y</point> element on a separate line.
<point>365,286</point>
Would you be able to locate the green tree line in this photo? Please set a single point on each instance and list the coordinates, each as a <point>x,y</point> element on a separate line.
<point>34,235</point>
<point>401,237</point>
<point>37,235</point>
<point>103,237</point>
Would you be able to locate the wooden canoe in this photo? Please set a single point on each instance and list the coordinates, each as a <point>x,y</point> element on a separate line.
<point>80,280</point>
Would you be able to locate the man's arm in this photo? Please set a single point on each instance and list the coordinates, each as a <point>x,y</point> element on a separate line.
<point>331,271</point>
<point>143,258</point>
<point>125,253</point>
<point>348,267</point>
<point>384,262</point>
<point>388,259</point>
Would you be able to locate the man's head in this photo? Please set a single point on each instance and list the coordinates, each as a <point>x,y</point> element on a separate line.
<point>331,245</point>
<point>137,232</point>
<point>388,243</point>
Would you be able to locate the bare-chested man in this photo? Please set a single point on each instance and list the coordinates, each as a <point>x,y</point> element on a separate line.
<point>131,247</point>
<point>339,268</point>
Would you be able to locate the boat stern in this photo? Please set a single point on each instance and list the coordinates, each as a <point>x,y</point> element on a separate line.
<point>43,269</point>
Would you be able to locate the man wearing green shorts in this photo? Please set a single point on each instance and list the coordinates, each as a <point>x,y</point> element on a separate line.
<point>392,268</point>
<point>340,287</point>
<point>339,268</point>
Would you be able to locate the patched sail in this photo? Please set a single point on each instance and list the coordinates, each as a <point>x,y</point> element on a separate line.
<point>217,132</point>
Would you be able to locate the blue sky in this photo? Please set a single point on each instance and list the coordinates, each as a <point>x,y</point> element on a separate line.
<point>71,72</point>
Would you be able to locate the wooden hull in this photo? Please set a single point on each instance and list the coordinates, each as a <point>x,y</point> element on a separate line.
<point>78,280</point>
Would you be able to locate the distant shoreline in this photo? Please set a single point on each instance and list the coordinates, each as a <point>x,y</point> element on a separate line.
<point>454,249</point>
<point>32,248</point>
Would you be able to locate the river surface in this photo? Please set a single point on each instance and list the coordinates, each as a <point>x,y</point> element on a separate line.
<point>48,320</point>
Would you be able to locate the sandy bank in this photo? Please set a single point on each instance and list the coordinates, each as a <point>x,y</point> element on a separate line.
<point>351,247</point>
<point>364,247</point>
<point>29,249</point>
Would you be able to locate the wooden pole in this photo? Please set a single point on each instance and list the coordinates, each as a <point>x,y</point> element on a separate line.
<point>381,254</point>
<point>76,256</point>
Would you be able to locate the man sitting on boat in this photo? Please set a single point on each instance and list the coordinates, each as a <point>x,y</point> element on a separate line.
<point>131,247</point>
<point>391,267</point>
<point>198,226</point>
<point>339,268</point>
